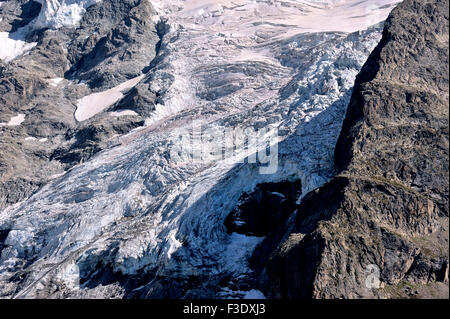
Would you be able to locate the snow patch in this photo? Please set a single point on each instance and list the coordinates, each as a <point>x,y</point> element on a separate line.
<point>239,250</point>
<point>15,120</point>
<point>124,113</point>
<point>55,82</point>
<point>13,45</point>
<point>31,138</point>
<point>91,105</point>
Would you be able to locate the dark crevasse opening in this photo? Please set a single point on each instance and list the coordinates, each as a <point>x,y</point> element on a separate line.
<point>260,212</point>
<point>3,235</point>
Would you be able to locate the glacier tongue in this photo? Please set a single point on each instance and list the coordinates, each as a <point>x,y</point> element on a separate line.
<point>133,214</point>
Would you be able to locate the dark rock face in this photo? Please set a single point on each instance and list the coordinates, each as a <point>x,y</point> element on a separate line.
<point>16,14</point>
<point>111,37</point>
<point>385,214</point>
<point>3,235</point>
<point>29,11</point>
<point>263,210</point>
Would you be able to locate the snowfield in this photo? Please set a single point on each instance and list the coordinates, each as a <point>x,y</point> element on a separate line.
<point>291,16</point>
<point>95,103</point>
<point>15,120</point>
<point>260,64</point>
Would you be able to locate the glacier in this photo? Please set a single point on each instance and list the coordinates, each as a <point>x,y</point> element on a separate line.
<point>130,212</point>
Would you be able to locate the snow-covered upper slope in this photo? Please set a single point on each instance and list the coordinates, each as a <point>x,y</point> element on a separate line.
<point>292,16</point>
<point>269,15</point>
<point>223,64</point>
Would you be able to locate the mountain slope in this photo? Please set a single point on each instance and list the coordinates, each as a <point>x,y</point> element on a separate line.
<point>94,203</point>
<point>110,43</point>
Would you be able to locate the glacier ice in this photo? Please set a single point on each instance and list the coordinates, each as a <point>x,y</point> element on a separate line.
<point>61,13</point>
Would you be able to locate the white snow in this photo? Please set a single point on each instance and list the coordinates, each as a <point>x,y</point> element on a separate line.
<point>55,81</point>
<point>299,15</point>
<point>15,120</point>
<point>92,104</point>
<point>124,113</point>
<point>13,45</point>
<point>239,249</point>
<point>54,14</point>
<point>31,138</point>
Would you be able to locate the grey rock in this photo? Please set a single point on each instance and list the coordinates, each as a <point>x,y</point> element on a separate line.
<point>17,14</point>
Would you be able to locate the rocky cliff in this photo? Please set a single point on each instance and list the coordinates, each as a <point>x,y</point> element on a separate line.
<point>379,229</point>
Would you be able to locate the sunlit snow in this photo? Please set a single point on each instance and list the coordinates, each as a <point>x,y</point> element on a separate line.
<point>61,13</point>
<point>95,103</point>
<point>13,45</point>
<point>15,120</point>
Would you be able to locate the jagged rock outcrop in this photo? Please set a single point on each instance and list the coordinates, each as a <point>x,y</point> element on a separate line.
<point>379,229</point>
